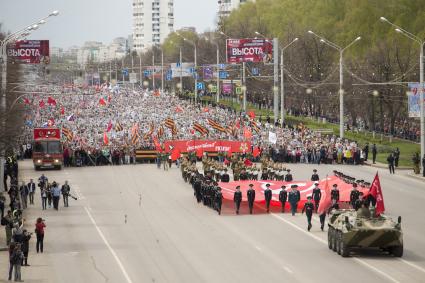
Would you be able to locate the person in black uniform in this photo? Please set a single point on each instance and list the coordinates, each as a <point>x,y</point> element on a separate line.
<point>243,176</point>
<point>335,193</point>
<point>316,195</point>
<point>283,196</point>
<point>366,151</point>
<point>391,160</point>
<point>237,198</point>
<point>218,200</point>
<point>225,178</point>
<point>308,209</point>
<point>359,202</point>
<point>354,195</point>
<point>315,176</point>
<point>288,177</point>
<point>251,197</point>
<point>197,186</point>
<point>264,175</point>
<point>268,197</point>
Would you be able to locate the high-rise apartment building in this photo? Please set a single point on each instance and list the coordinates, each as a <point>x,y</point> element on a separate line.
<point>153,21</point>
<point>225,7</point>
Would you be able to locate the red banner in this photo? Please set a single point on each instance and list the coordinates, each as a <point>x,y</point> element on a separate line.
<point>249,50</point>
<point>207,146</point>
<point>29,51</point>
<point>46,133</point>
<point>304,187</point>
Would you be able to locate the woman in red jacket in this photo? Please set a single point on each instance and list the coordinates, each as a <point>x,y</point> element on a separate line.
<point>39,231</point>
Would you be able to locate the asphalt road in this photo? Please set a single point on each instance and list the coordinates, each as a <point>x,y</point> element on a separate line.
<point>136,223</point>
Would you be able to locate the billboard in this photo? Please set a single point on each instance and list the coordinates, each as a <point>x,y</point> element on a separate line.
<point>413,106</point>
<point>249,50</point>
<point>29,51</point>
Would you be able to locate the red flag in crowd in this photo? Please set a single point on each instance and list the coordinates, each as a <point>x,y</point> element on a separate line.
<point>41,104</point>
<point>179,109</point>
<point>109,99</point>
<point>175,154</point>
<point>62,110</point>
<point>109,128</point>
<point>27,101</point>
<point>105,139</point>
<point>251,114</point>
<point>229,153</point>
<point>376,191</point>
<point>51,122</point>
<point>205,110</point>
<point>51,101</point>
<point>157,144</point>
<point>199,152</point>
<point>102,101</point>
<point>325,201</point>
<point>157,93</point>
<point>238,124</point>
<point>256,152</point>
<point>247,162</point>
<point>247,133</point>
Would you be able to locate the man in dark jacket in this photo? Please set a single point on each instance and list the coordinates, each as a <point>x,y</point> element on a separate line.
<point>251,197</point>
<point>225,178</point>
<point>315,176</point>
<point>283,196</point>
<point>391,160</point>
<point>237,198</point>
<point>25,247</point>
<point>293,198</point>
<point>316,195</point>
<point>268,197</point>
<point>374,152</point>
<point>288,177</point>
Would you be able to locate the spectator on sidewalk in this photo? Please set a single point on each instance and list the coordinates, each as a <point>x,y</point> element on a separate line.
<point>8,225</point>
<point>23,190</point>
<point>25,247</point>
<point>11,250</point>
<point>374,152</point>
<point>396,156</point>
<point>39,232</point>
<point>391,161</point>
<point>423,166</point>
<point>2,205</point>
<point>17,257</point>
<point>31,188</point>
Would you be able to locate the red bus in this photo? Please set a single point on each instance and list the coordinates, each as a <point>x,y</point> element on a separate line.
<point>47,148</point>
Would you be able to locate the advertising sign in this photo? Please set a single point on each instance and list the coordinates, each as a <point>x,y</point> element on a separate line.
<point>207,146</point>
<point>46,133</point>
<point>227,88</point>
<point>29,51</point>
<point>249,50</point>
<point>208,73</point>
<point>413,105</point>
<point>133,78</point>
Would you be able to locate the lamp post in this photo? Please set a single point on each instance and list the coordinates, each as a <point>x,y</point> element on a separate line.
<point>217,99</point>
<point>282,85</point>
<point>341,76</point>
<point>195,62</point>
<point>421,43</point>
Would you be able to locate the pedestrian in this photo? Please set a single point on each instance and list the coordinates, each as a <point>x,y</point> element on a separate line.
<point>23,190</point>
<point>65,193</point>
<point>396,156</point>
<point>39,232</point>
<point>56,192</point>
<point>17,257</point>
<point>218,200</point>
<point>31,188</point>
<point>251,197</point>
<point>268,197</point>
<point>43,192</point>
<point>322,218</point>
<point>374,152</point>
<point>7,221</point>
<point>391,160</point>
<point>315,176</point>
<point>2,205</point>
<point>49,194</point>
<point>366,151</point>
<point>12,247</point>
<point>423,166</point>
<point>354,195</point>
<point>293,198</point>
<point>335,193</point>
<point>25,247</point>
<point>316,195</point>
<point>237,198</point>
<point>308,209</point>
<point>283,196</point>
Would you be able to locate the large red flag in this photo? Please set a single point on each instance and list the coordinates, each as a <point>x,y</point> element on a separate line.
<point>175,154</point>
<point>251,114</point>
<point>109,127</point>
<point>256,152</point>
<point>376,191</point>
<point>51,101</point>
<point>325,202</point>
<point>157,144</point>
<point>199,152</point>
<point>247,133</point>
<point>105,139</point>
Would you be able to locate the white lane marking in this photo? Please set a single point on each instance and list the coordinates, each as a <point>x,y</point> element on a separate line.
<point>325,242</point>
<point>412,264</point>
<point>287,269</point>
<point>121,266</point>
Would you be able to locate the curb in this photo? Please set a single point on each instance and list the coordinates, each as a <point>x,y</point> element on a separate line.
<point>416,176</point>
<point>3,249</point>
<point>384,166</point>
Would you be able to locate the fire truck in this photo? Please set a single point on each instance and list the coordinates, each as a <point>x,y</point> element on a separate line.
<point>47,148</point>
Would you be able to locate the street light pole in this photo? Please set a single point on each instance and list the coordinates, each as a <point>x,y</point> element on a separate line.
<point>341,76</point>
<point>153,70</point>
<point>162,70</point>
<point>181,72</point>
<point>282,85</point>
<point>421,80</point>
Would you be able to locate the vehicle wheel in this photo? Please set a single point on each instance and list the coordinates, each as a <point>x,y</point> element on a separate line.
<point>338,241</point>
<point>344,250</point>
<point>330,231</point>
<point>334,239</point>
<point>397,251</point>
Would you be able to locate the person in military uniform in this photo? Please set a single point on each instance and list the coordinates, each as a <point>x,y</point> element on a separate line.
<point>288,177</point>
<point>268,197</point>
<point>335,193</point>
<point>316,195</point>
<point>218,198</point>
<point>354,195</point>
<point>237,198</point>
<point>315,176</point>
<point>243,176</point>
<point>225,178</point>
<point>293,199</point>
<point>283,195</point>
<point>359,202</point>
<point>308,209</point>
<point>197,186</point>
<point>251,197</point>
<point>264,175</point>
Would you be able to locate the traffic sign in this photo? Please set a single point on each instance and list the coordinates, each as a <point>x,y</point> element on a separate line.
<point>222,66</point>
<point>255,71</point>
<point>200,86</point>
<point>223,75</point>
<point>125,72</point>
<point>192,70</point>
<point>239,90</point>
<point>214,88</point>
<point>169,75</point>
<point>147,73</point>
<point>133,78</point>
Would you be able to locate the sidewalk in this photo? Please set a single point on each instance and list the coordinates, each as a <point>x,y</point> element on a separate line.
<point>385,166</point>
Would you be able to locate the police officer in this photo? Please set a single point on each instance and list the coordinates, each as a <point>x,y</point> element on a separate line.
<point>316,195</point>
<point>308,209</point>
<point>225,178</point>
<point>293,198</point>
<point>268,197</point>
<point>288,177</point>
<point>251,197</point>
<point>218,200</point>
<point>335,193</point>
<point>237,198</point>
<point>283,196</point>
<point>315,176</point>
<point>354,195</point>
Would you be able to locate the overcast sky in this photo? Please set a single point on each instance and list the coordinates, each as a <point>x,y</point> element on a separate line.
<point>100,20</point>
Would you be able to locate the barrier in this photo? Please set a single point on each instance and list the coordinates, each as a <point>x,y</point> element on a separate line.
<point>146,155</point>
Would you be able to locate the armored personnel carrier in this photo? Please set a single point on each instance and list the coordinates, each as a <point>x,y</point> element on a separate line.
<point>349,229</point>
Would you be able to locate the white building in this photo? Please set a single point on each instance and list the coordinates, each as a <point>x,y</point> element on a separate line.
<point>97,52</point>
<point>153,21</point>
<point>225,7</point>
<point>56,52</point>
